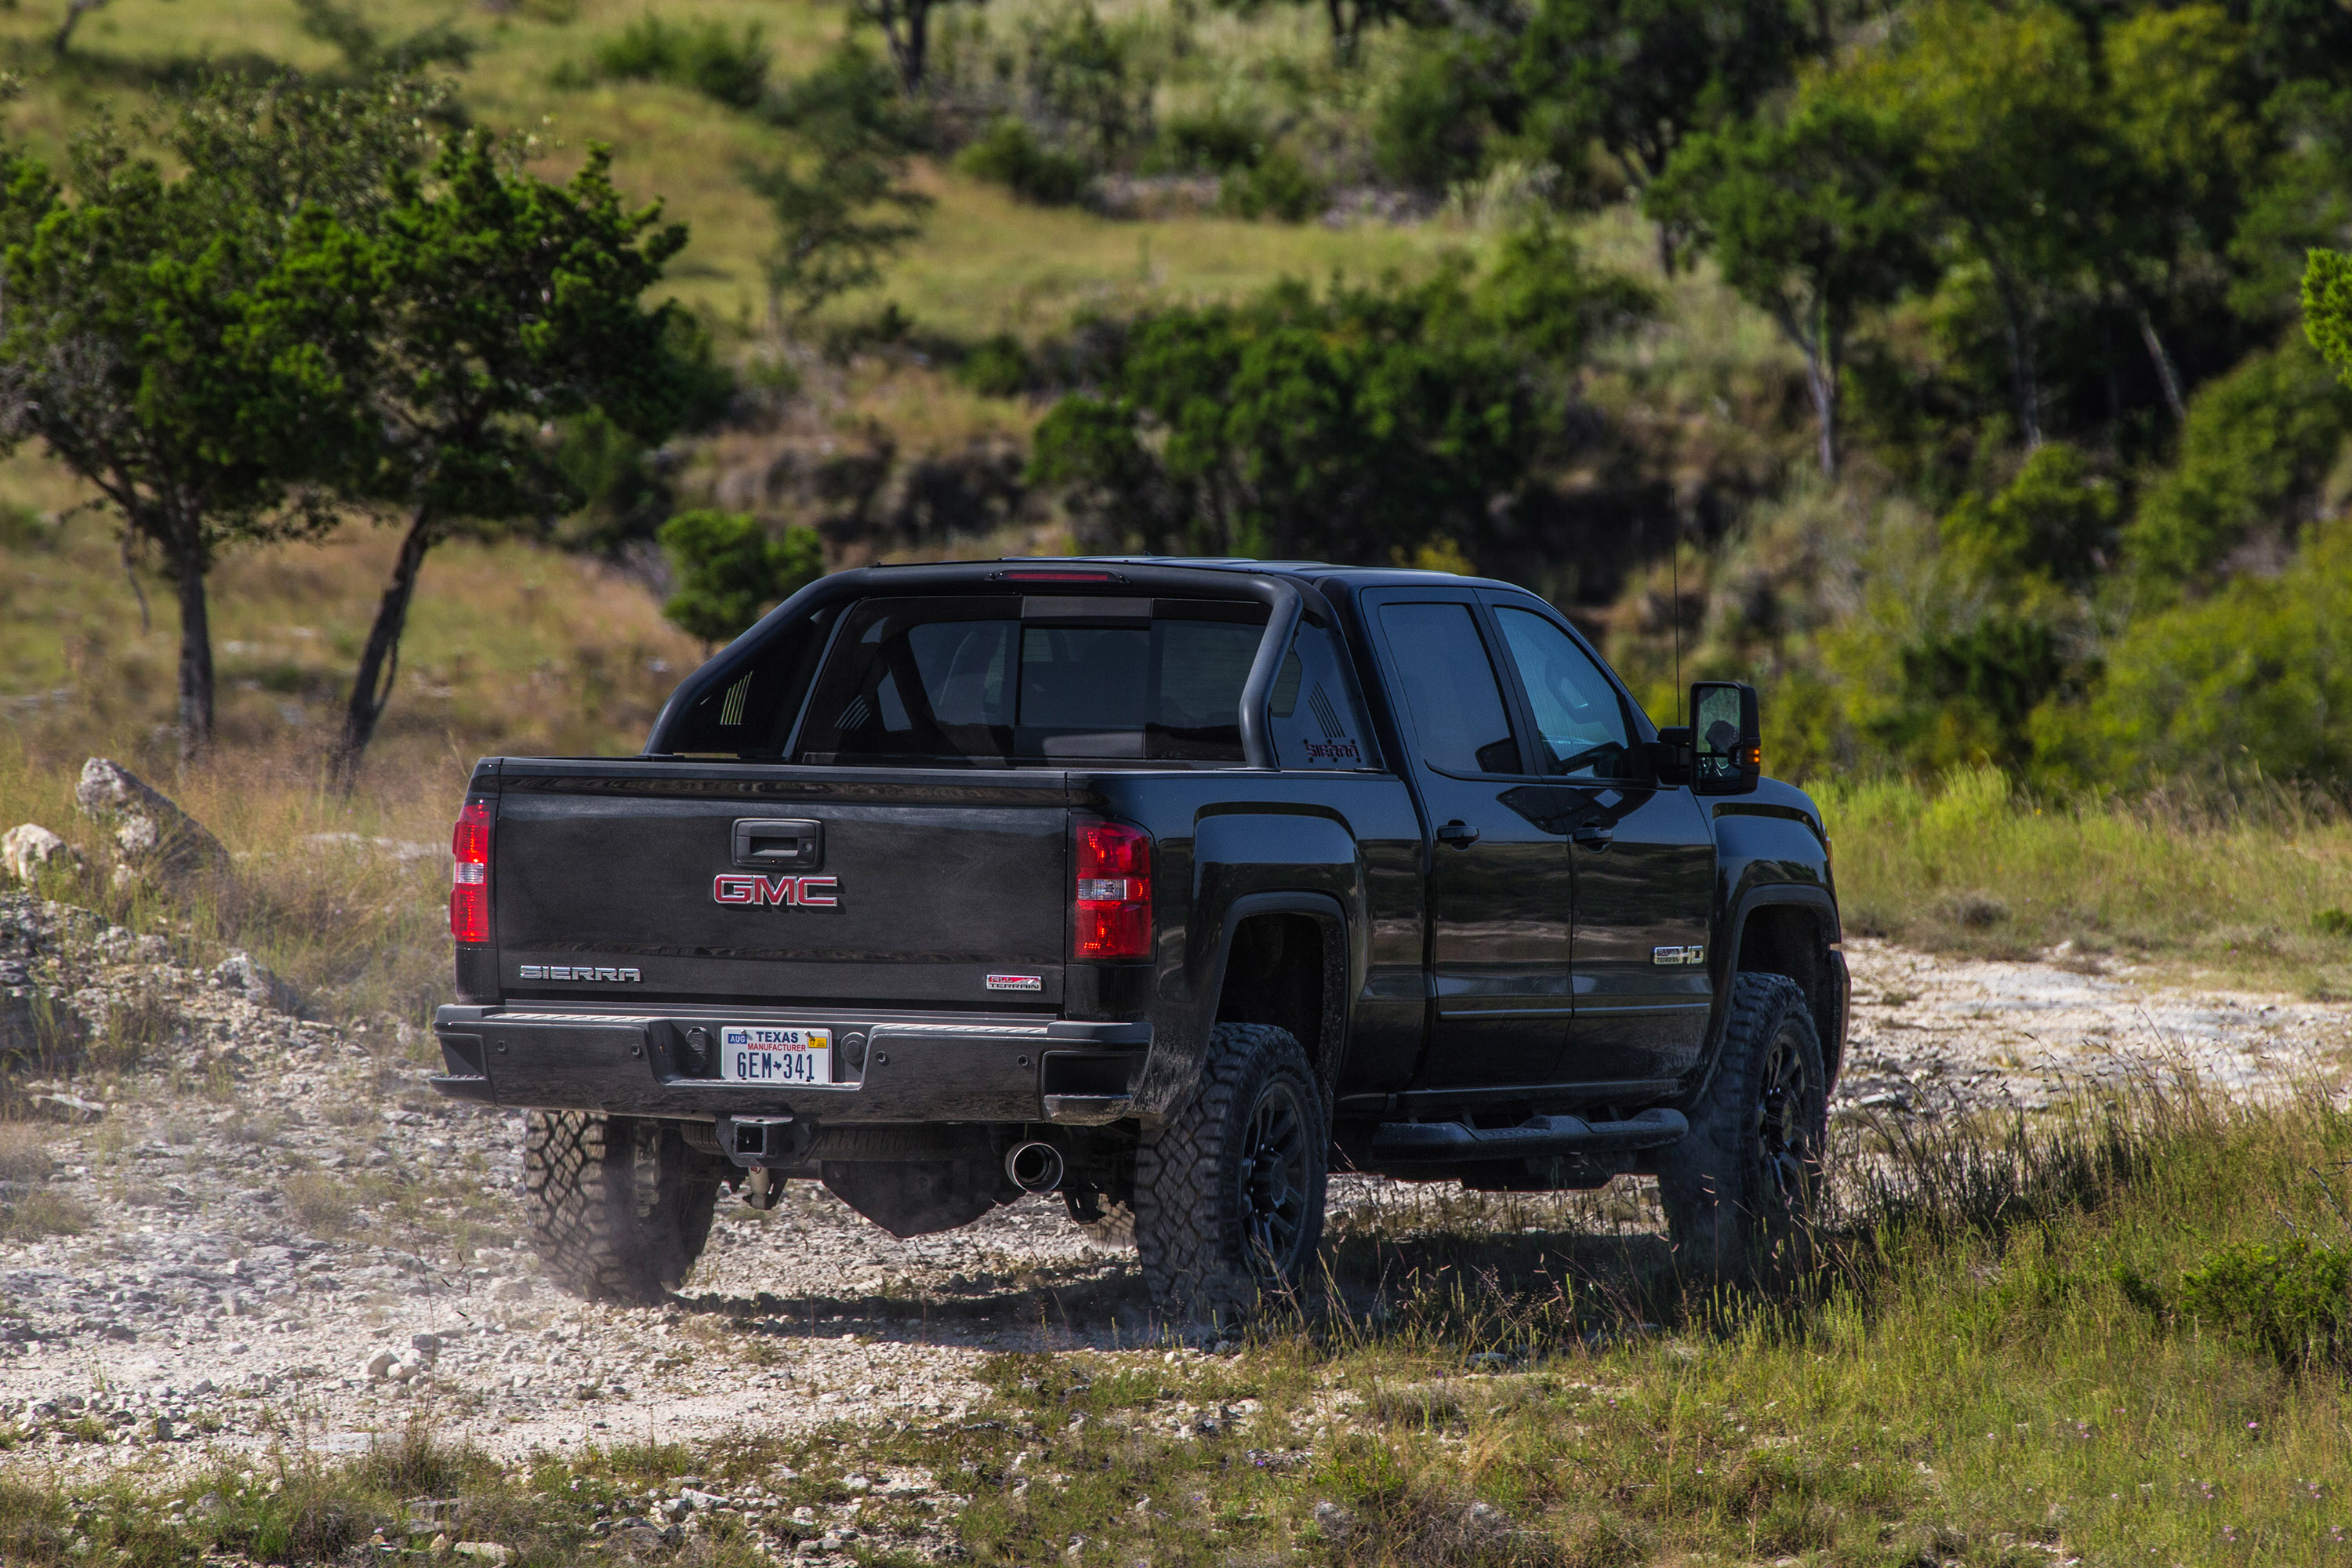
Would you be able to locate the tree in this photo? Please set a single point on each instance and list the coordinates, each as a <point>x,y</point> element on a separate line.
<point>2003,113</point>
<point>906,32</point>
<point>1637,76</point>
<point>179,342</point>
<point>1344,424</point>
<point>2182,105</point>
<point>502,303</point>
<point>840,204</point>
<point>729,569</point>
<point>1811,218</point>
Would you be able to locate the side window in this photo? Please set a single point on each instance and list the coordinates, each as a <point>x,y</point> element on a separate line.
<point>1579,718</point>
<point>1318,723</point>
<point>1450,688</point>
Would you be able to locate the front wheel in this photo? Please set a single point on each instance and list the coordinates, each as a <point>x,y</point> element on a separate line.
<point>1229,1191</point>
<point>1740,1189</point>
<point>620,1206</point>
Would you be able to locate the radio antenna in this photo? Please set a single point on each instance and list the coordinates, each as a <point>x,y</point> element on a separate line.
<point>1675,546</point>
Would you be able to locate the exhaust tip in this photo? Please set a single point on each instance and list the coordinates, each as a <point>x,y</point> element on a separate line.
<point>1034,1167</point>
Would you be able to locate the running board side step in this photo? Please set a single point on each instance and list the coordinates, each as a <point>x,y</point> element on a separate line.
<point>1439,1143</point>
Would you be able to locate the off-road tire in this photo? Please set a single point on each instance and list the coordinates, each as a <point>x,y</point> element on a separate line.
<point>1741,1190</point>
<point>1240,1163</point>
<point>619,1206</point>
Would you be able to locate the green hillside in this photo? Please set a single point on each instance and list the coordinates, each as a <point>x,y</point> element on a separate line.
<point>1592,297</point>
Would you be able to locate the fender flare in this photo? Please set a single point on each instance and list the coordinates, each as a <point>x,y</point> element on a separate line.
<point>1769,895</point>
<point>1338,990</point>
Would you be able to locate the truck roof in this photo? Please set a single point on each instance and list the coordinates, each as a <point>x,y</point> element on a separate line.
<point>1357,576</point>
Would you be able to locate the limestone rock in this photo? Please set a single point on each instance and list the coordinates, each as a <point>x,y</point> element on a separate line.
<point>154,836</point>
<point>239,973</point>
<point>28,850</point>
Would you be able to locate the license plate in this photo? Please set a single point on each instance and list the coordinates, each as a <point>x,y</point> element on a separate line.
<point>754,1053</point>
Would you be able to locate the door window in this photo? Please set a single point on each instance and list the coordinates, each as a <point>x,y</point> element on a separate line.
<point>1577,716</point>
<point>1450,686</point>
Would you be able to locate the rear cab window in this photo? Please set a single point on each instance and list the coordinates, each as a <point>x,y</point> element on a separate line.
<point>1014,679</point>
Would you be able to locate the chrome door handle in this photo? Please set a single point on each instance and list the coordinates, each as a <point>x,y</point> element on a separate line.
<point>1592,836</point>
<point>1459,834</point>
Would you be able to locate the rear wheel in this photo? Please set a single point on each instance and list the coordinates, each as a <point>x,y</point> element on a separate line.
<point>620,1207</point>
<point>1739,1191</point>
<point>1229,1191</point>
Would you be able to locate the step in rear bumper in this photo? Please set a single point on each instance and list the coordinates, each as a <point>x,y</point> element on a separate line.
<point>935,1068</point>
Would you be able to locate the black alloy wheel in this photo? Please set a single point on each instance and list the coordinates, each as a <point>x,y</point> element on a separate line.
<point>1275,1178</point>
<point>1788,1155</point>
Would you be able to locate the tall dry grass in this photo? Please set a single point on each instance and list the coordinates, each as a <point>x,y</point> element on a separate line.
<point>2254,883</point>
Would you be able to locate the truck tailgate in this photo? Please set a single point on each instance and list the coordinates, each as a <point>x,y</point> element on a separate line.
<point>718,882</point>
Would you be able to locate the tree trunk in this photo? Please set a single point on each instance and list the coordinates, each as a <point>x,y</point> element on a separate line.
<point>195,653</point>
<point>1821,380</point>
<point>1343,34</point>
<point>74,11</point>
<point>2022,380</point>
<point>2165,375</point>
<point>915,58</point>
<point>379,661</point>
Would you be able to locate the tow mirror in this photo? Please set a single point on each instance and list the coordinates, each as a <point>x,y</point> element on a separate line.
<point>1726,738</point>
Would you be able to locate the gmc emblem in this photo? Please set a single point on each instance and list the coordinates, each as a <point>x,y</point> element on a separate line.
<point>808,892</point>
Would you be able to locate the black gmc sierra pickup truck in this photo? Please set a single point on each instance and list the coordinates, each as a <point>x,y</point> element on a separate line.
<point>1168,886</point>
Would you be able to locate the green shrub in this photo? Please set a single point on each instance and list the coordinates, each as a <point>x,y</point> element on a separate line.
<point>2332,923</point>
<point>1278,188</point>
<point>2288,1301</point>
<point>1213,142</point>
<point>2055,518</point>
<point>2253,451</point>
<point>704,55</point>
<point>1011,155</point>
<point>729,569</point>
<point>2259,676</point>
<point>998,367</point>
<point>1431,125</point>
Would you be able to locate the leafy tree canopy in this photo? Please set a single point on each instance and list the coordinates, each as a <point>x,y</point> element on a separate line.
<point>1343,425</point>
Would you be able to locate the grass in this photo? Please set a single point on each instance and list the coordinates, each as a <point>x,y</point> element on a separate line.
<point>2014,1349</point>
<point>512,647</point>
<point>2252,886</point>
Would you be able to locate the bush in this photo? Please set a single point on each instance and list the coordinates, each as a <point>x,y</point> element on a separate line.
<point>2259,676</point>
<point>1011,155</point>
<point>729,569</point>
<point>1431,125</point>
<point>2055,518</point>
<point>1215,142</point>
<point>1279,186</point>
<point>704,55</point>
<point>2253,451</point>
<point>998,367</point>
<point>2288,1301</point>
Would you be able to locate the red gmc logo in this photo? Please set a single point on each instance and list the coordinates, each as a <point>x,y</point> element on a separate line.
<point>743,887</point>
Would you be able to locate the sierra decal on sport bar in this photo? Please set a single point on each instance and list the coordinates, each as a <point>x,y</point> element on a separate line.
<point>743,888</point>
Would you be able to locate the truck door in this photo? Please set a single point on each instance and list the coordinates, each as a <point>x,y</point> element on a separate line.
<point>1499,880</point>
<point>1643,860</point>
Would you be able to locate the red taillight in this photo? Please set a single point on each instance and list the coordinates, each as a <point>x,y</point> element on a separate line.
<point>469,878</point>
<point>1113,891</point>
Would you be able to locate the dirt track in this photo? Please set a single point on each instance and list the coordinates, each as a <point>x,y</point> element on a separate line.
<point>223,1296</point>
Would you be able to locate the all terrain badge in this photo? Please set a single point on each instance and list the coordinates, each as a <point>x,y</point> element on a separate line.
<point>1674,955</point>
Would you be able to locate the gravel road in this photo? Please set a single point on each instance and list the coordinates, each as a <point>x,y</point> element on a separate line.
<point>289,1239</point>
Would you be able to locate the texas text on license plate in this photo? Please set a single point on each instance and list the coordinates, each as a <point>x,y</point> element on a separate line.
<point>754,1053</point>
